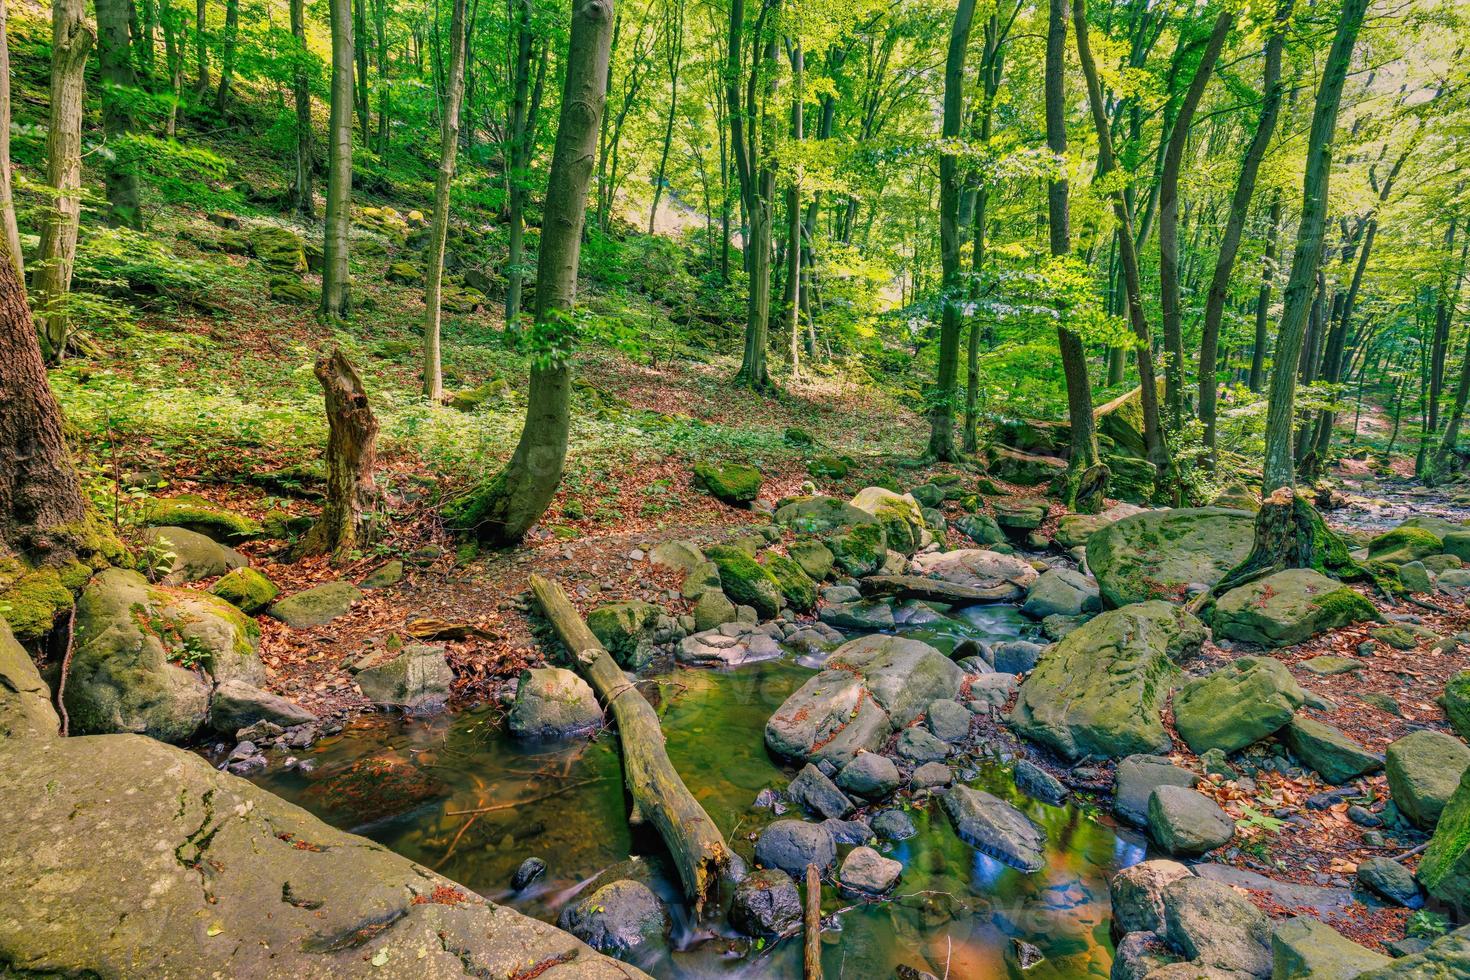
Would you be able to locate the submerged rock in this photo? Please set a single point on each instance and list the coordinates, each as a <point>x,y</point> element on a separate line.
<point>995,827</point>
<point>552,702</point>
<point>766,903</point>
<point>1099,691</point>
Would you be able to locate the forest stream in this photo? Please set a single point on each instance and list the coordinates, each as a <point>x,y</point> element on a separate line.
<point>405,782</point>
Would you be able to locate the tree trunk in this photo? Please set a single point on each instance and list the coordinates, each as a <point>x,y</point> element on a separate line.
<point>42,510</point>
<point>114,55</point>
<point>301,188</point>
<point>1245,186</point>
<point>794,215</point>
<point>336,279</point>
<point>1173,317</point>
<point>941,411</point>
<point>351,455</point>
<point>811,940</point>
<point>504,509</point>
<point>201,47</point>
<point>659,796</point>
<point>1153,433</point>
<point>7,200</point>
<point>227,55</point>
<point>448,149</point>
<point>360,63</point>
<point>1263,296</point>
<point>1281,408</point>
<point>71,41</point>
<point>674,48</point>
<point>385,93</point>
<point>516,160</point>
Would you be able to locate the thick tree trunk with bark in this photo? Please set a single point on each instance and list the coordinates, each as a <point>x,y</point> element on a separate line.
<point>1281,407</point>
<point>71,41</point>
<point>336,279</point>
<point>942,408</point>
<point>352,438</point>
<point>114,55</point>
<point>1245,187</point>
<point>448,149</point>
<point>10,229</point>
<point>659,796</point>
<point>757,175</point>
<point>504,509</point>
<point>304,200</point>
<point>41,503</point>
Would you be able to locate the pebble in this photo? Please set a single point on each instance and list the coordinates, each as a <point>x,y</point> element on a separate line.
<point>1363,817</point>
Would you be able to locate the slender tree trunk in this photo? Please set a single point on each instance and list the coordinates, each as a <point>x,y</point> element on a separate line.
<point>40,493</point>
<point>1153,433</point>
<point>674,45</point>
<point>360,59</point>
<point>1263,295</point>
<point>71,41</point>
<point>794,215</point>
<point>941,412</point>
<point>1281,408</point>
<point>146,40</point>
<point>385,93</point>
<point>7,200</point>
<point>201,47</point>
<point>114,55</point>
<point>1245,187</point>
<point>517,159</point>
<point>757,182</point>
<point>1086,477</point>
<point>448,148</point>
<point>1173,317</point>
<point>336,279</point>
<point>351,456</point>
<point>301,188</point>
<point>227,55</point>
<point>505,508</point>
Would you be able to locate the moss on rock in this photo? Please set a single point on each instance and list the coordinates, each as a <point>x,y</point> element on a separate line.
<point>736,484</point>
<point>860,550</point>
<point>1404,544</point>
<point>745,581</point>
<point>31,599</point>
<point>197,514</point>
<point>246,589</point>
<point>798,588</point>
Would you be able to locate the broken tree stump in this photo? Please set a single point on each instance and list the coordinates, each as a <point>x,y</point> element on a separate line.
<point>659,795</point>
<point>351,455</point>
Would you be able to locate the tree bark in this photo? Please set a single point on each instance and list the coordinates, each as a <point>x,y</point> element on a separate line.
<point>71,41</point>
<point>794,215</point>
<point>659,796</point>
<point>1173,317</point>
<point>1263,295</point>
<point>114,56</point>
<point>301,188</point>
<point>1245,187</point>
<point>517,160</point>
<point>674,52</point>
<point>448,149</point>
<point>351,455</point>
<point>41,502</point>
<point>7,199</point>
<point>336,279</point>
<point>941,410</point>
<point>811,940</point>
<point>505,508</point>
<point>201,47</point>
<point>360,63</point>
<point>1281,407</point>
<point>227,55</point>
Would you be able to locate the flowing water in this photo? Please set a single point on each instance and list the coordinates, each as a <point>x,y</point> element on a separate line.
<point>407,782</point>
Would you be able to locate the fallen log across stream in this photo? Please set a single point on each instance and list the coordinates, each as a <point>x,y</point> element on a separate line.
<point>938,590</point>
<point>659,795</point>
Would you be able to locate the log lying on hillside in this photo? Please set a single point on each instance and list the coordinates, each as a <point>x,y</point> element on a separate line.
<point>937,590</point>
<point>659,795</point>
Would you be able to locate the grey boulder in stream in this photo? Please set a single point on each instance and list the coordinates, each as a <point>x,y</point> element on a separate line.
<point>993,826</point>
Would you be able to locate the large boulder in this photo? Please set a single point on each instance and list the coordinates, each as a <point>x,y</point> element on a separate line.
<point>1187,823</point>
<point>1337,758</point>
<point>246,590</point>
<point>147,657</point>
<point>1098,691</point>
<point>1456,702</point>
<point>625,629</point>
<point>820,515</point>
<point>188,556</point>
<point>1214,926</point>
<point>1024,469</point>
<point>316,606</point>
<point>1061,592</point>
<point>278,249</point>
<point>747,582</point>
<point>1121,420</point>
<point>236,705</point>
<point>899,514</point>
<point>994,827</point>
<point>194,513</point>
<point>1448,956</point>
<point>1137,894</point>
<point>860,550</point>
<point>1404,544</point>
<point>1075,530</point>
<point>793,844</point>
<point>1424,770</point>
<point>1239,704</point>
<point>140,859</point>
<point>766,903</point>
<point>1288,607</point>
<point>797,587</point>
<point>418,679</point>
<point>1160,554</point>
<point>25,700</point>
<point>868,688</point>
<point>1444,870</point>
<point>1006,575</point>
<point>736,484</point>
<point>1136,779</point>
<point>1305,947</point>
<point>552,702</point>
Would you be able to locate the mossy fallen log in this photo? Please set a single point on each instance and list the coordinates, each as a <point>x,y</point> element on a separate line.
<point>659,796</point>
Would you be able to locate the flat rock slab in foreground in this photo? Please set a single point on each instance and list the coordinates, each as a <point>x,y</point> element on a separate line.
<point>127,857</point>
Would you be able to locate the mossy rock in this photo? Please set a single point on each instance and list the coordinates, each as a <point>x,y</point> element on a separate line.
<point>1289,607</point>
<point>736,484</point>
<point>860,550</point>
<point>199,515</point>
<point>31,600</point>
<point>405,274</point>
<point>798,437</point>
<point>814,558</point>
<point>278,249</point>
<point>470,399</point>
<point>285,289</point>
<point>819,514</point>
<point>623,628</point>
<point>316,606</point>
<point>1130,479</point>
<point>1456,702</point>
<point>746,582</point>
<point>25,700</point>
<point>1159,554</point>
<point>798,588</point>
<point>246,589</point>
<point>827,467</point>
<point>1457,543</point>
<point>460,299</point>
<point>899,514</point>
<point>1404,544</point>
<point>1444,870</point>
